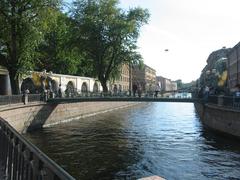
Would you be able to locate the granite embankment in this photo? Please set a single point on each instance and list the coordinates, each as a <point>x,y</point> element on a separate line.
<point>34,116</point>
<point>220,118</point>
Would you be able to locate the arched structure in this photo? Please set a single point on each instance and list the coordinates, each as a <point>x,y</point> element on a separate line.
<point>69,89</point>
<point>70,85</point>
<point>84,87</point>
<point>95,87</point>
<point>54,86</point>
<point>28,84</point>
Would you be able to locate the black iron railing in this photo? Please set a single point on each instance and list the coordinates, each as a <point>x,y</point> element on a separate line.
<point>21,160</point>
<point>14,99</point>
<point>227,101</point>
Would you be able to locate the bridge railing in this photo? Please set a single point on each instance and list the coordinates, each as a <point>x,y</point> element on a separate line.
<point>227,101</point>
<point>149,94</point>
<point>21,160</point>
<point>14,99</point>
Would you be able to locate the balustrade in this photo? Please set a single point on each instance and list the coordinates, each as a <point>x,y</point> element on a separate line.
<point>21,160</point>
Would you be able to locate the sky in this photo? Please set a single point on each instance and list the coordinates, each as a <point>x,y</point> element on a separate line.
<point>189,29</point>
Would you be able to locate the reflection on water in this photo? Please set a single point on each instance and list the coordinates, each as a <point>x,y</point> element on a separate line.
<point>165,139</point>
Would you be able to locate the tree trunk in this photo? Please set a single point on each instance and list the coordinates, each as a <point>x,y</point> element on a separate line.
<point>104,86</point>
<point>12,67</point>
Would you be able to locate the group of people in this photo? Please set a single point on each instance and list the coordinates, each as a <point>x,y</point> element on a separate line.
<point>137,89</point>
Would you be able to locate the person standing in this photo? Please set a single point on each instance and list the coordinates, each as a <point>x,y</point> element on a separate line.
<point>157,89</point>
<point>134,90</point>
<point>206,94</point>
<point>139,91</point>
<point>25,96</point>
<point>60,91</point>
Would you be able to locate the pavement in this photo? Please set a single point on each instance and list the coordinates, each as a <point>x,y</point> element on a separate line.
<point>18,105</point>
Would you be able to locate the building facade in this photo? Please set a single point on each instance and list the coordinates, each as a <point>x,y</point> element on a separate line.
<point>234,67</point>
<point>166,84</point>
<point>122,84</point>
<point>144,77</point>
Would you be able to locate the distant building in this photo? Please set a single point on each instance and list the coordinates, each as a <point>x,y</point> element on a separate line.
<point>174,86</point>
<point>122,83</point>
<point>234,67</point>
<point>166,84</point>
<point>144,77</point>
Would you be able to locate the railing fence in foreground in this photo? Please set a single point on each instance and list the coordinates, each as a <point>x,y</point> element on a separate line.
<point>226,101</point>
<point>21,160</point>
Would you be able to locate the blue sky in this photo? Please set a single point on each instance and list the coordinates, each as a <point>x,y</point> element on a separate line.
<point>190,29</point>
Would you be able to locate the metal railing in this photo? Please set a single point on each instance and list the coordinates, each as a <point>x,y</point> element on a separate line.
<point>14,99</point>
<point>226,101</point>
<point>21,160</point>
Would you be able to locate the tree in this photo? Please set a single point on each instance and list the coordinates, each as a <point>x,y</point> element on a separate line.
<point>23,24</point>
<point>107,35</point>
<point>56,52</point>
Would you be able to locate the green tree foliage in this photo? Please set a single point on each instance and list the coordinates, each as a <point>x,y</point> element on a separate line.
<point>23,25</point>
<point>107,35</point>
<point>56,52</point>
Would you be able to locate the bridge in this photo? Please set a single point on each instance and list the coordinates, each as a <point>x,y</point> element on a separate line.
<point>121,99</point>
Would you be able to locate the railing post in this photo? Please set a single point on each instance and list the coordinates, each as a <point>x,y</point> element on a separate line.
<point>220,100</point>
<point>23,161</point>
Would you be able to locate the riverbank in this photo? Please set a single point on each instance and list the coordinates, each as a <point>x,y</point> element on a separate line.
<point>220,118</point>
<point>35,116</point>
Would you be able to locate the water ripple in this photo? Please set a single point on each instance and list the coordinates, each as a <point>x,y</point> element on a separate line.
<point>165,139</point>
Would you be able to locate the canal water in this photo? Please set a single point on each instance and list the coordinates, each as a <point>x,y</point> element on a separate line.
<point>164,139</point>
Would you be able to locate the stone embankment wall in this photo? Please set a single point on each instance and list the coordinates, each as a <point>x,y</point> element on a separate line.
<point>27,118</point>
<point>222,119</point>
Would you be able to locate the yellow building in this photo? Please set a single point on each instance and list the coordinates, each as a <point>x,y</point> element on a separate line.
<point>123,82</point>
<point>144,77</point>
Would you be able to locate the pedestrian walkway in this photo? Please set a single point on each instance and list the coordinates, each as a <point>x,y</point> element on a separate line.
<point>19,105</point>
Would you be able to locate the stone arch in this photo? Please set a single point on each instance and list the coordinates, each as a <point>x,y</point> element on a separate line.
<point>28,84</point>
<point>84,87</point>
<point>70,89</point>
<point>95,87</point>
<point>54,86</point>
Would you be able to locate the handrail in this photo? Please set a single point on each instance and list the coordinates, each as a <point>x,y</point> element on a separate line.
<point>226,101</point>
<point>22,160</point>
<point>13,99</point>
